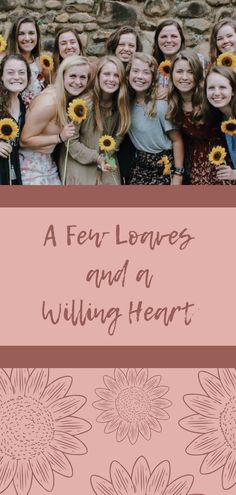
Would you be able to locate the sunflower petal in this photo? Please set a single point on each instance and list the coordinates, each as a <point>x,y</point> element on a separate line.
<point>111,384</point>
<point>199,424</point>
<point>56,390</point>
<point>141,377</point>
<point>122,431</point>
<point>212,386</point>
<point>112,425</point>
<point>106,416</point>
<point>37,382</point>
<point>103,405</point>
<point>145,429</point>
<point>228,379</point>
<point>59,462</point>
<point>101,486</point>
<point>19,377</point>
<point>206,443</point>
<point>23,477</point>
<point>158,392</point>
<point>154,424</point>
<point>215,460</point>
<point>140,475</point>
<point>203,405</point>
<point>72,425</point>
<point>121,480</point>
<point>7,472</point>
<point>158,412</point>
<point>121,378</point>
<point>68,444</point>
<point>42,471</point>
<point>180,486</point>
<point>152,383</point>
<point>6,388</point>
<point>105,394</point>
<point>131,376</point>
<point>159,479</point>
<point>133,433</point>
<point>66,406</point>
<point>229,472</point>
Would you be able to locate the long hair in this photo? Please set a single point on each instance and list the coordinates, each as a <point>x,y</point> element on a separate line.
<point>120,97</point>
<point>62,97</point>
<point>14,32</point>
<point>56,52</point>
<point>114,38</point>
<point>5,94</point>
<point>175,111</point>
<point>150,96</point>
<point>231,77</point>
<point>157,53</point>
<point>214,52</point>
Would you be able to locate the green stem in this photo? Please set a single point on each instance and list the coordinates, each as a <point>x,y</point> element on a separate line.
<point>9,167</point>
<point>65,165</point>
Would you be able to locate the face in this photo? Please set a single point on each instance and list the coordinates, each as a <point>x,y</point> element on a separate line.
<point>27,37</point>
<point>109,79</point>
<point>126,47</point>
<point>14,76</point>
<point>226,39</point>
<point>68,45</point>
<point>183,77</point>
<point>140,76</point>
<point>219,91</point>
<point>169,41</point>
<point>76,79</point>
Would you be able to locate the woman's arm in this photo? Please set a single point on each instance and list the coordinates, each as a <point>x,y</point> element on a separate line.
<point>225,172</point>
<point>178,151</point>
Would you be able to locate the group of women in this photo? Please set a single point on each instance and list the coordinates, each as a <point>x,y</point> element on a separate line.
<point>132,118</point>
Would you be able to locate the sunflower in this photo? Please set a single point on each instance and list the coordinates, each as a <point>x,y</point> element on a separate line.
<point>166,162</point>
<point>3,44</point>
<point>164,68</point>
<point>77,110</point>
<point>8,129</point>
<point>46,61</point>
<point>227,59</point>
<point>229,127</point>
<point>217,155</point>
<point>107,143</point>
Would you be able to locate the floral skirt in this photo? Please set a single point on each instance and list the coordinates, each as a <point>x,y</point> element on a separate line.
<point>147,171</point>
<point>38,169</point>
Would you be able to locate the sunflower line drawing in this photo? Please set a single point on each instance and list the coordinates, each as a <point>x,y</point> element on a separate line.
<point>142,480</point>
<point>132,404</point>
<point>38,429</point>
<point>214,421</point>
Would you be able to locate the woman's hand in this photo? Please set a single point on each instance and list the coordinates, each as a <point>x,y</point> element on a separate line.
<point>224,172</point>
<point>161,93</point>
<point>5,149</point>
<point>67,132</point>
<point>105,167</point>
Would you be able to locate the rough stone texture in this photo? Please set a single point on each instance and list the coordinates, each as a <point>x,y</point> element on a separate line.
<point>96,19</point>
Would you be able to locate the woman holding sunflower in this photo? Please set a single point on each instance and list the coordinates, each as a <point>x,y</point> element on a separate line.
<point>107,120</point>
<point>24,38</point>
<point>223,43</point>
<point>14,77</point>
<point>220,90</point>
<point>156,140</point>
<point>188,110</point>
<point>47,122</point>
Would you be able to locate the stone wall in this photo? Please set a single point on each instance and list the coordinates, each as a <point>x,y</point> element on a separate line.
<point>95,19</point>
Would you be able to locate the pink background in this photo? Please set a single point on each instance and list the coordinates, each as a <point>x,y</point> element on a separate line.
<point>203,274</point>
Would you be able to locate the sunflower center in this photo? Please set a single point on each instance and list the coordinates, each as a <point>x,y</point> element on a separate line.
<point>227,61</point>
<point>79,110</point>
<point>107,142</point>
<point>133,404</point>
<point>217,156</point>
<point>228,422</point>
<point>26,428</point>
<point>6,130</point>
<point>231,127</point>
<point>46,62</point>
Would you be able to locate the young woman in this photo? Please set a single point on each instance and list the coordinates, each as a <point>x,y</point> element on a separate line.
<point>14,77</point>
<point>152,135</point>
<point>108,114</point>
<point>47,123</point>
<point>123,43</point>
<point>24,38</point>
<point>187,109</point>
<point>223,38</point>
<point>221,94</point>
<point>67,43</point>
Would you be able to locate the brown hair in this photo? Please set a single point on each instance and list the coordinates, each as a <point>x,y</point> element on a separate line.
<point>5,93</point>
<point>175,111</point>
<point>214,52</point>
<point>150,97</point>
<point>14,33</point>
<point>120,98</point>
<point>157,53</point>
<point>231,77</point>
<point>56,52</point>
<point>114,38</point>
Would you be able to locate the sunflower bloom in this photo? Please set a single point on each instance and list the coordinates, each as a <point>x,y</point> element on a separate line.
<point>227,59</point>
<point>214,423</point>
<point>164,68</point>
<point>107,143</point>
<point>166,162</point>
<point>229,127</point>
<point>131,404</point>
<point>217,155</point>
<point>8,129</point>
<point>46,61</point>
<point>142,480</point>
<point>77,110</point>
<point>3,44</point>
<point>38,429</point>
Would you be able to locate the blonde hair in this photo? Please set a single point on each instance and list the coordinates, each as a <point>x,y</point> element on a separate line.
<point>150,97</point>
<point>61,94</point>
<point>120,97</point>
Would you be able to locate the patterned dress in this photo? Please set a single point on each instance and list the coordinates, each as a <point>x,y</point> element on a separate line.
<point>35,86</point>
